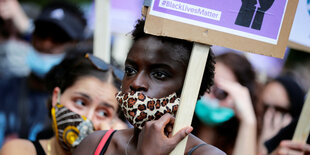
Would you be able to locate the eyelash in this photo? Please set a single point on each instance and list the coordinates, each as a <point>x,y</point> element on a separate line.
<point>106,113</point>
<point>84,103</point>
<point>155,74</point>
<point>129,71</point>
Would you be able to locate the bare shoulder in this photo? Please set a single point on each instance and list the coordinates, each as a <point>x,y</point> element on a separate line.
<point>90,143</point>
<point>193,146</point>
<point>18,146</point>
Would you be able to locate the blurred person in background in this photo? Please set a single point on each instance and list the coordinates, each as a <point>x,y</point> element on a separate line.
<point>229,116</point>
<point>283,99</point>
<point>13,49</point>
<point>22,110</point>
<point>82,99</point>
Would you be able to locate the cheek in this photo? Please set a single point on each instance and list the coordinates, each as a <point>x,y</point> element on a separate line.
<point>102,124</point>
<point>97,125</point>
<point>125,84</point>
<point>161,90</point>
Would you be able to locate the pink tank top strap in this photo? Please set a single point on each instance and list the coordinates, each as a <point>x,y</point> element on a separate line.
<point>103,141</point>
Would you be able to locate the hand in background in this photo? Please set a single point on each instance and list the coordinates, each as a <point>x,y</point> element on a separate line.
<point>272,119</point>
<point>12,10</point>
<point>288,147</point>
<point>241,99</point>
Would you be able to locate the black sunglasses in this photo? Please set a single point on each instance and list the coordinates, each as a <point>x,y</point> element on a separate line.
<point>276,108</point>
<point>101,65</point>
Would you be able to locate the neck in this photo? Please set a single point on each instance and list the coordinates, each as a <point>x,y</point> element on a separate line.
<point>132,142</point>
<point>56,148</point>
<point>136,133</point>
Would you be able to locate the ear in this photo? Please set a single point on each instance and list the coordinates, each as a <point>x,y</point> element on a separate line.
<point>55,96</point>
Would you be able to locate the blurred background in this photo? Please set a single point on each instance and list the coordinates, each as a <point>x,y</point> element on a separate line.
<point>16,40</point>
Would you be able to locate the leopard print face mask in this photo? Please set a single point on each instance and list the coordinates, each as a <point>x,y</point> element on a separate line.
<point>138,108</point>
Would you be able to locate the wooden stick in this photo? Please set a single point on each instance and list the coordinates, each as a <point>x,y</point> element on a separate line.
<point>190,92</point>
<point>303,126</point>
<point>102,33</point>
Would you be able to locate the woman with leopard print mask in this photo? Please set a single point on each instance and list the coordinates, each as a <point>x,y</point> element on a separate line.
<point>155,69</point>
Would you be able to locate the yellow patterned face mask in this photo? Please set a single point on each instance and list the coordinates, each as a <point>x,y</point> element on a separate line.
<point>70,128</point>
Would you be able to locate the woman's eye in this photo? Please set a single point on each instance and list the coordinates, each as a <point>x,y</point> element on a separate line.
<point>129,71</point>
<point>80,102</point>
<point>102,113</point>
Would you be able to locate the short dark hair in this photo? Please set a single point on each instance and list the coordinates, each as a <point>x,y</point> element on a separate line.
<point>184,49</point>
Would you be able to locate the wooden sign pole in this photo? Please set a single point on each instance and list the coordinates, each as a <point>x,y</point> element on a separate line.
<point>303,126</point>
<point>190,92</point>
<point>102,33</point>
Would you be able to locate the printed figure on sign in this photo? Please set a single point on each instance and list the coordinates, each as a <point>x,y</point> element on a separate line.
<point>253,9</point>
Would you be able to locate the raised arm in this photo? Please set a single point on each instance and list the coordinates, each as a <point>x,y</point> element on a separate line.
<point>11,9</point>
<point>246,141</point>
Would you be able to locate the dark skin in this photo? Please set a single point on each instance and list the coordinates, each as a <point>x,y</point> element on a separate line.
<point>149,69</point>
<point>157,72</point>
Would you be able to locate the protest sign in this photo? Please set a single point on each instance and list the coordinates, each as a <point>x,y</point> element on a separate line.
<point>300,33</point>
<point>102,33</point>
<point>257,26</point>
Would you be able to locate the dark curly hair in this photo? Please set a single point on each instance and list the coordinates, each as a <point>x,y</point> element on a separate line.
<point>183,48</point>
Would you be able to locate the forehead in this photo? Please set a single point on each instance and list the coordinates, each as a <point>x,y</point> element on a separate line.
<point>96,89</point>
<point>275,89</point>
<point>153,50</point>
<point>222,71</point>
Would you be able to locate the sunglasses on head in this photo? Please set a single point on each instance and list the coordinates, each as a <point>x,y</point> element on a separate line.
<point>219,93</point>
<point>101,65</point>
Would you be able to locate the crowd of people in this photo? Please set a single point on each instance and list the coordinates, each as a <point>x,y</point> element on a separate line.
<point>58,99</point>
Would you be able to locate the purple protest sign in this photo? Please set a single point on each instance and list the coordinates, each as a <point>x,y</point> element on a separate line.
<point>255,19</point>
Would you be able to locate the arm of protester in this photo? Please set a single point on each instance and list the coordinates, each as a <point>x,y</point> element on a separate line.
<point>288,147</point>
<point>25,147</point>
<point>11,9</point>
<point>240,96</point>
<point>273,122</point>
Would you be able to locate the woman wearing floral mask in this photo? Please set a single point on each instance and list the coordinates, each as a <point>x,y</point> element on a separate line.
<point>227,117</point>
<point>82,101</point>
<point>155,69</point>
